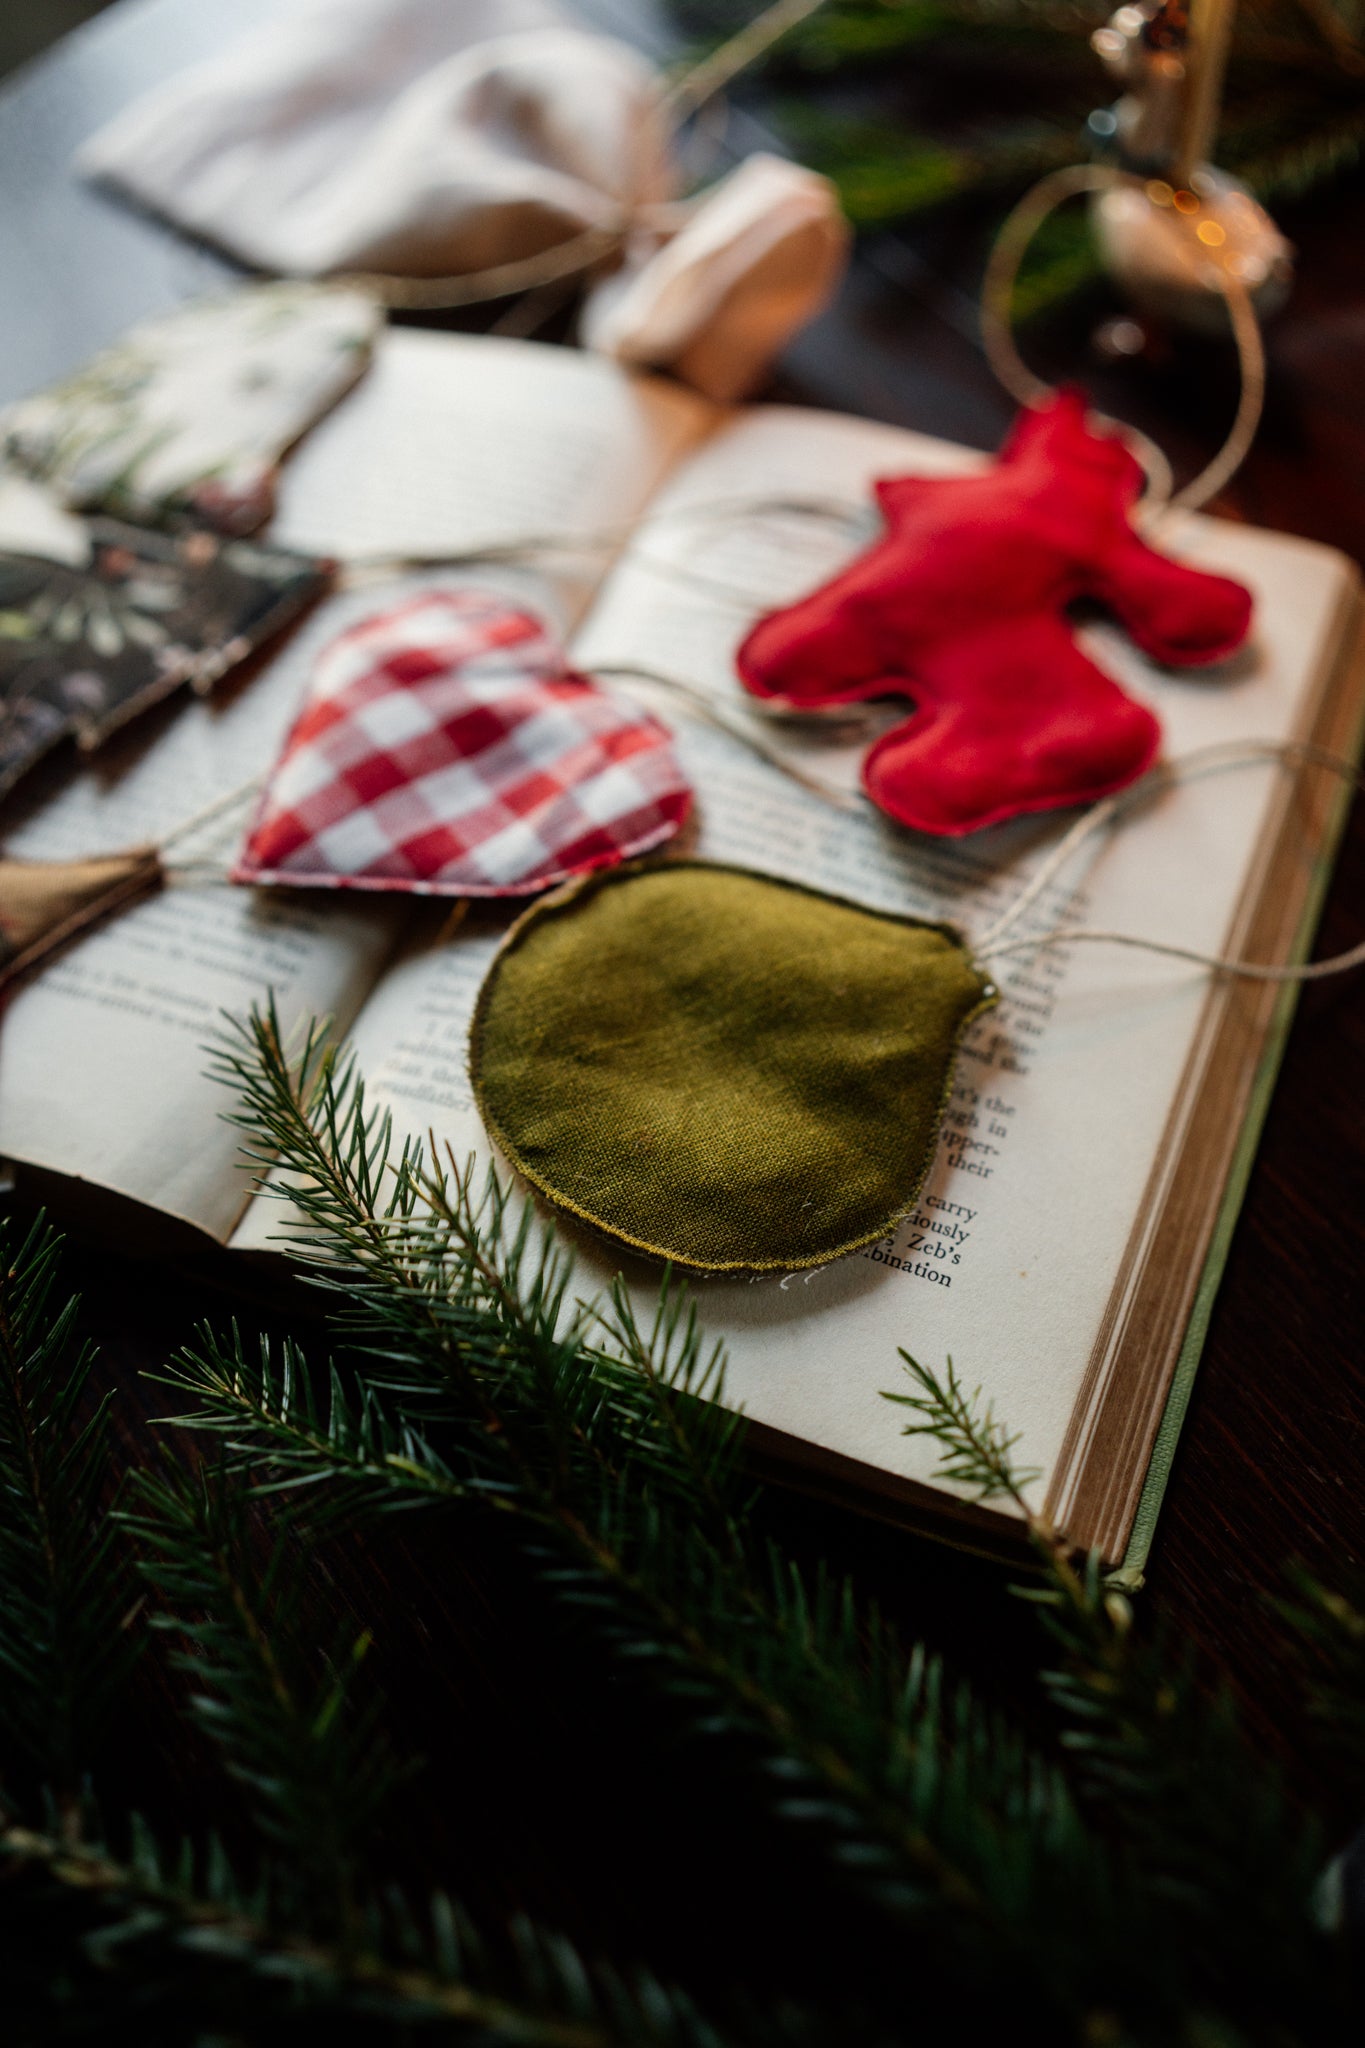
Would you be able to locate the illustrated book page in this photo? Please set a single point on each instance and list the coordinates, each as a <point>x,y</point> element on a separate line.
<point>1029,1251</point>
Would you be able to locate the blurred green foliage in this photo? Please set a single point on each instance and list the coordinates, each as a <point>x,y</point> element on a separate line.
<point>917,107</point>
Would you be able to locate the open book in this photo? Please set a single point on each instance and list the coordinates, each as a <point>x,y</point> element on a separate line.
<point>1066,1244</point>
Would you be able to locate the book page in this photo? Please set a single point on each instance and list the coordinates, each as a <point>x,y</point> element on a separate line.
<point>446,444</point>
<point>456,442</point>
<point>1008,1259</point>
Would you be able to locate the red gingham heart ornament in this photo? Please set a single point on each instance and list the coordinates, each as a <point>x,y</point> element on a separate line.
<point>443,748</point>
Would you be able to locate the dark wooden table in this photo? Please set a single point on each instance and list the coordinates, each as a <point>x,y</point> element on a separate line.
<point>1273,1456</point>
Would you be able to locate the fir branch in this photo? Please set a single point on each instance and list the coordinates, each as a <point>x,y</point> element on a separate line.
<point>1329,1638</point>
<point>304,1746</point>
<point>457,1309</point>
<point>1204,1821</point>
<point>1293,164</point>
<point>884,174</point>
<point>342,1442</point>
<point>912,1794</point>
<point>697,1444</point>
<point>64,1594</point>
<point>425,1274</point>
<point>975,1447</point>
<point>602,1443</point>
<point>90,1935</point>
<point>1223,1850</point>
<point>623,1478</point>
<point>93,1936</point>
<point>1148,1883</point>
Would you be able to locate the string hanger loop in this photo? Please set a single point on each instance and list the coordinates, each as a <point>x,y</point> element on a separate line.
<point>997,294</point>
<point>995,944</point>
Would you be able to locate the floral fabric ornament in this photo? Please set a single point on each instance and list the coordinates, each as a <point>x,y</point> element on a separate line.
<point>717,1068</point>
<point>961,606</point>
<point>444,748</point>
<point>84,649</point>
<point>188,415</point>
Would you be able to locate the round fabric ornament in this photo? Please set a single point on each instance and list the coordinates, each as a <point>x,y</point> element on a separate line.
<point>718,1068</point>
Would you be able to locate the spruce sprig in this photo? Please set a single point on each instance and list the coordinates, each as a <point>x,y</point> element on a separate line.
<point>1126,1872</point>
<point>106,1933</point>
<point>590,1437</point>
<point>1328,1623</point>
<point>99,1944</point>
<point>328,1432</point>
<point>975,1449</point>
<point>64,1648</point>
<point>1151,1753</point>
<point>297,1734</point>
<point>608,1443</point>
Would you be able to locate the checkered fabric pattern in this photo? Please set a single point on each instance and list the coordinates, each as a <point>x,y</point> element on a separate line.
<point>443,748</point>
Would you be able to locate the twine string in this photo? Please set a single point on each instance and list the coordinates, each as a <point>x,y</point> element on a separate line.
<point>714,713</point>
<point>217,808</point>
<point>1084,828</point>
<point>703,80</point>
<point>997,336</point>
<point>543,549</point>
<point>995,945</point>
<point>1247,970</point>
<point>699,86</point>
<point>844,512</point>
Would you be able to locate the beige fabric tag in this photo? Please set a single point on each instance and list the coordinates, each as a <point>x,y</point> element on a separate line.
<point>757,257</point>
<point>43,903</point>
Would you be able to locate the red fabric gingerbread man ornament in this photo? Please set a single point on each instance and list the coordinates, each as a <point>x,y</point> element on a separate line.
<point>961,606</point>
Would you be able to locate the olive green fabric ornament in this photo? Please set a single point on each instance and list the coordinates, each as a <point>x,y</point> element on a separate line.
<point>721,1069</point>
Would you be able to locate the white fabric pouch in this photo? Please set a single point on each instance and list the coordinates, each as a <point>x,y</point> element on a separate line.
<point>416,137</point>
<point>434,138</point>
